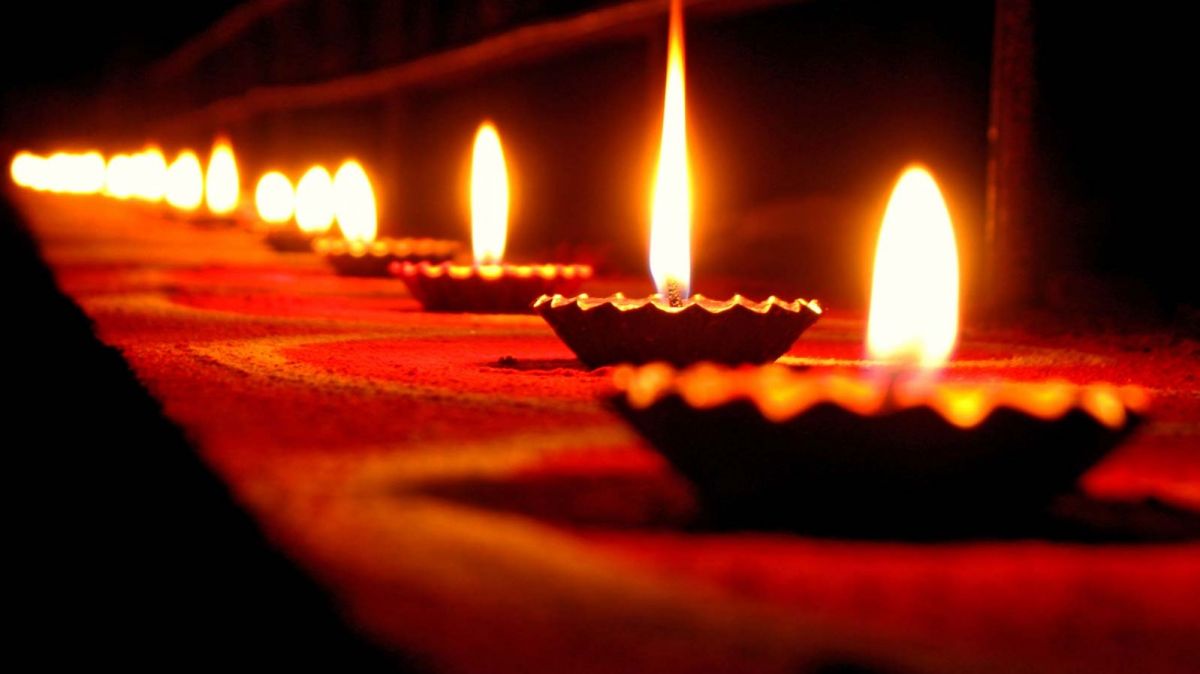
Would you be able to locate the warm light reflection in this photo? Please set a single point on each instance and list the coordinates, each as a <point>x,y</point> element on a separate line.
<point>489,197</point>
<point>1103,401</point>
<point>671,217</point>
<point>354,203</point>
<point>314,201</point>
<point>221,185</point>
<point>150,174</point>
<point>274,198</point>
<point>914,293</point>
<point>964,406</point>
<point>185,182</point>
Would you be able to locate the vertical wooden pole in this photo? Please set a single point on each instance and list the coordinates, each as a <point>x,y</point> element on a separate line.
<point>1010,251</point>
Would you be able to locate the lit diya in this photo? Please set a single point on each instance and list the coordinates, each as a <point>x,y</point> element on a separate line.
<point>275,204</point>
<point>489,285</point>
<point>222,185</point>
<point>184,183</point>
<point>61,172</point>
<point>120,177</point>
<point>889,450</point>
<point>188,186</point>
<point>146,175</point>
<point>671,326</point>
<point>349,199</point>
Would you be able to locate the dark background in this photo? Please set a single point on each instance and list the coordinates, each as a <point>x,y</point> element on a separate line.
<point>801,117</point>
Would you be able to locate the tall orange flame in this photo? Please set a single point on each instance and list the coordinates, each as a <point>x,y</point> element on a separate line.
<point>671,216</point>
<point>73,173</point>
<point>185,182</point>
<point>914,293</point>
<point>489,196</point>
<point>149,174</point>
<point>274,198</point>
<point>315,201</point>
<point>354,203</point>
<point>221,185</point>
<point>120,177</point>
<point>26,169</point>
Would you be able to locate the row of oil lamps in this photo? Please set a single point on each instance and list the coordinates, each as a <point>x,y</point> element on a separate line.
<point>766,440</point>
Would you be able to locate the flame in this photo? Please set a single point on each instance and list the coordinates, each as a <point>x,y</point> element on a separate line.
<point>88,173</point>
<point>119,177</point>
<point>489,196</point>
<point>914,294</point>
<point>314,201</point>
<point>221,186</point>
<point>150,174</point>
<point>185,182</point>
<point>59,170</point>
<point>26,169</point>
<point>671,216</point>
<point>274,198</point>
<point>354,203</point>
<point>64,172</point>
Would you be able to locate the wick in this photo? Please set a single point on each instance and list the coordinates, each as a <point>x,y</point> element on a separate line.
<point>674,296</point>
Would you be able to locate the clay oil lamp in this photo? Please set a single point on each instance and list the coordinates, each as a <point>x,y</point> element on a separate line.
<point>349,199</point>
<point>205,199</point>
<point>489,285</point>
<point>889,448</point>
<point>672,326</point>
<point>222,187</point>
<point>275,205</point>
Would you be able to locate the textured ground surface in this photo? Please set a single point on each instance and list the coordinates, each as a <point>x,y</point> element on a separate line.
<point>491,515</point>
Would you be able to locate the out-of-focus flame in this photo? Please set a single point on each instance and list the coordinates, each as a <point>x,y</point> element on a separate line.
<point>314,201</point>
<point>22,168</point>
<point>150,174</point>
<point>914,293</point>
<point>26,169</point>
<point>671,215</point>
<point>489,196</point>
<point>62,172</point>
<point>221,185</point>
<point>89,173</point>
<point>185,182</point>
<point>19,168</point>
<point>274,198</point>
<point>120,177</point>
<point>354,203</point>
<point>65,172</point>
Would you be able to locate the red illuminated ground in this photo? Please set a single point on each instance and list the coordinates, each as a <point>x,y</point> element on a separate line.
<point>493,516</point>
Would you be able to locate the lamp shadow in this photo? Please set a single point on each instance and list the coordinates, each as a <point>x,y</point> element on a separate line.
<point>1069,518</point>
<point>663,501</point>
<point>608,500</point>
<point>537,364</point>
